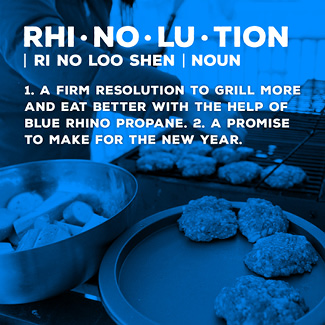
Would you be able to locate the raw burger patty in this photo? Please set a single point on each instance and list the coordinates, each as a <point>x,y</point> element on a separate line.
<point>239,172</point>
<point>225,155</point>
<point>196,165</point>
<point>228,154</point>
<point>281,254</point>
<point>148,149</point>
<point>254,300</point>
<point>245,152</point>
<point>208,218</point>
<point>156,161</point>
<point>196,147</point>
<point>285,176</point>
<point>260,218</point>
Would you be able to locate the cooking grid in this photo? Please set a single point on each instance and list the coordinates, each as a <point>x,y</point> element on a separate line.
<point>310,157</point>
<point>311,100</point>
<point>304,117</point>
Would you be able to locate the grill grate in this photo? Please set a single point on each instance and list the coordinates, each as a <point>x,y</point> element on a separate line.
<point>310,157</point>
<point>311,99</point>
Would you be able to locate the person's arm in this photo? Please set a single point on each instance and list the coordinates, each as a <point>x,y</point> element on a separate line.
<point>207,118</point>
<point>16,14</point>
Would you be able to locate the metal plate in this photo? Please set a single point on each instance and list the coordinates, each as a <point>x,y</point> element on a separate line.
<point>153,274</point>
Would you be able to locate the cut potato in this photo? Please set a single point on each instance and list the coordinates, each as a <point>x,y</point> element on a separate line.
<point>41,222</point>
<point>7,219</point>
<point>24,203</point>
<point>6,248</point>
<point>72,229</point>
<point>51,234</point>
<point>28,240</point>
<point>13,238</point>
<point>93,222</point>
<point>52,207</point>
<point>78,213</point>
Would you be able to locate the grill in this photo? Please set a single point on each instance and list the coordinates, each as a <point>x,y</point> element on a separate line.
<point>309,196</point>
<point>310,157</point>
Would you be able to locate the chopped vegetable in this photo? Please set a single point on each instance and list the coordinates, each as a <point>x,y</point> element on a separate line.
<point>6,248</point>
<point>7,219</point>
<point>14,239</point>
<point>72,229</point>
<point>29,239</point>
<point>24,203</point>
<point>95,220</point>
<point>29,221</point>
<point>41,222</point>
<point>53,207</point>
<point>51,234</point>
<point>78,213</point>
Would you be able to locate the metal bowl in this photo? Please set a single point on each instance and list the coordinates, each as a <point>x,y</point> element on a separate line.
<point>40,273</point>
